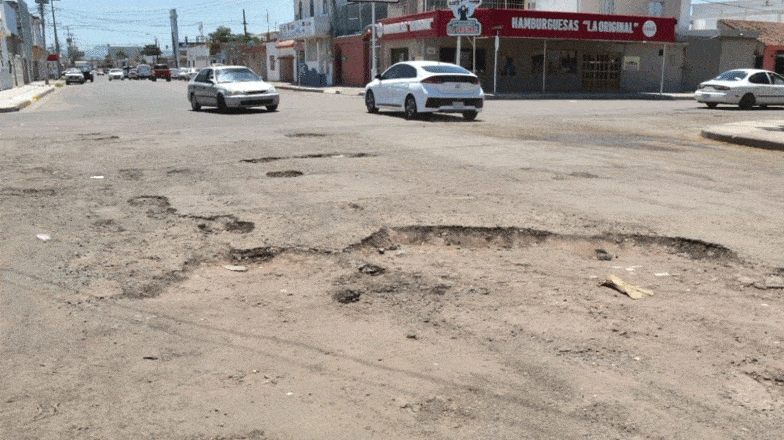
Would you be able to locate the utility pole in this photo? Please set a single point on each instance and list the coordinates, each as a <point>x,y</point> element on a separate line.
<point>175,38</point>
<point>56,41</point>
<point>43,34</point>
<point>245,23</point>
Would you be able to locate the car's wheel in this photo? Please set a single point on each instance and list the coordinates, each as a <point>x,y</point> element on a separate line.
<point>221,104</point>
<point>272,108</point>
<point>370,102</point>
<point>168,79</point>
<point>470,115</point>
<point>194,104</point>
<point>747,102</point>
<point>711,104</point>
<point>410,108</point>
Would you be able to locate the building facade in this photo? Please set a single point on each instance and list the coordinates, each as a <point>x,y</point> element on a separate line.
<point>6,58</point>
<point>19,40</point>
<point>523,50</point>
<point>705,16</point>
<point>312,28</point>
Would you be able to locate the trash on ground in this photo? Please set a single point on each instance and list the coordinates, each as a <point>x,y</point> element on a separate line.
<point>603,255</point>
<point>43,237</point>
<point>235,268</point>
<point>662,274</point>
<point>633,292</point>
<point>96,177</point>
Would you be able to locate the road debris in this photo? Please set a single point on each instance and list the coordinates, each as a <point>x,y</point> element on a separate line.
<point>235,268</point>
<point>633,292</point>
<point>43,237</point>
<point>603,255</point>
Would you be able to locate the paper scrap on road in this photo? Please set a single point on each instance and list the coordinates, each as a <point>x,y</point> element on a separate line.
<point>633,292</point>
<point>96,177</point>
<point>43,237</point>
<point>235,268</point>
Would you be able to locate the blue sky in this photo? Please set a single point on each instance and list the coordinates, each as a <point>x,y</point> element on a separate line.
<point>139,22</point>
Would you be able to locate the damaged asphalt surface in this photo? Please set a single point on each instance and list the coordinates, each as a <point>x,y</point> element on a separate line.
<point>319,272</point>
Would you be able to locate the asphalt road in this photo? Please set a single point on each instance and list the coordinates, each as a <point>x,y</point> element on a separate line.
<point>119,204</point>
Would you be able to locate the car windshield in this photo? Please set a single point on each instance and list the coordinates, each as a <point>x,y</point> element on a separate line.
<point>445,68</point>
<point>236,75</point>
<point>72,70</point>
<point>732,75</point>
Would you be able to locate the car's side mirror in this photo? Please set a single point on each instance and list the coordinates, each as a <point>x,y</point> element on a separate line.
<point>378,77</point>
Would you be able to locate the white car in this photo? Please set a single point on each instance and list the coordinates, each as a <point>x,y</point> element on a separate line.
<point>426,87</point>
<point>742,87</point>
<point>116,74</point>
<point>227,87</point>
<point>74,75</point>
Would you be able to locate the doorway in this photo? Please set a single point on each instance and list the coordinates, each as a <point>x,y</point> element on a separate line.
<point>601,71</point>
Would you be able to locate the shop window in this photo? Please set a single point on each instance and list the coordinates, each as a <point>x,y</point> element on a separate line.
<point>312,8</point>
<point>601,71</point>
<point>779,66</point>
<point>272,62</point>
<point>399,54</point>
<point>537,63</point>
<point>447,55</point>
<point>568,62</point>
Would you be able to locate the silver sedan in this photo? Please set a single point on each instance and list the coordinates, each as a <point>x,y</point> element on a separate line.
<point>227,87</point>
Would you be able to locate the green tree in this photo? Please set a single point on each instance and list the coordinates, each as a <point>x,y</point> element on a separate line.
<point>121,55</point>
<point>151,50</point>
<point>222,35</point>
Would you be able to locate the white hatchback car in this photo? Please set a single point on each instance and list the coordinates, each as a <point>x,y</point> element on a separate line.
<point>742,87</point>
<point>231,87</point>
<point>426,87</point>
<point>116,74</point>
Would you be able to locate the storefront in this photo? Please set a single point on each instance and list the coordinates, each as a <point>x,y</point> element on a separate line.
<point>315,60</point>
<point>542,51</point>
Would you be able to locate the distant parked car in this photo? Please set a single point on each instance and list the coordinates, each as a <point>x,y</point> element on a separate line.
<point>74,75</point>
<point>144,71</point>
<point>161,71</point>
<point>116,74</point>
<point>190,73</point>
<point>426,87</point>
<point>227,87</point>
<point>742,87</point>
<point>87,71</point>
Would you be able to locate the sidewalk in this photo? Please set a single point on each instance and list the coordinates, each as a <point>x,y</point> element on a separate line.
<point>17,98</point>
<point>360,91</point>
<point>768,135</point>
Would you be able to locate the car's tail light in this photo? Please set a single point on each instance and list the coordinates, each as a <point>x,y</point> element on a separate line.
<point>433,80</point>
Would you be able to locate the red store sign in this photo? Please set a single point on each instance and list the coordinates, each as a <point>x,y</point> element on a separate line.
<point>536,24</point>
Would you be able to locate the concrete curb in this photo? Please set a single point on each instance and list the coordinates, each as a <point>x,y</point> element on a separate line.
<point>27,102</point>
<point>355,91</point>
<point>747,141</point>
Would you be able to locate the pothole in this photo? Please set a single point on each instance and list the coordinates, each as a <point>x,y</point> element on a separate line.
<point>306,135</point>
<point>259,254</point>
<point>97,137</point>
<point>306,156</point>
<point>131,174</point>
<point>287,173</point>
<point>522,237</point>
<point>28,192</point>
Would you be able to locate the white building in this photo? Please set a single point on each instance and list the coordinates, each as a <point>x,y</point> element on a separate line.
<point>311,27</point>
<point>706,15</point>
<point>680,9</point>
<point>6,59</point>
<point>198,56</point>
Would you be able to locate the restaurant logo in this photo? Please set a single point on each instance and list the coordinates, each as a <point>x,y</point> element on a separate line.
<point>649,28</point>
<point>464,24</point>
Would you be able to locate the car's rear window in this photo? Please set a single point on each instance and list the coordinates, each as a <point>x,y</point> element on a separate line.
<point>445,68</point>
<point>732,75</point>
